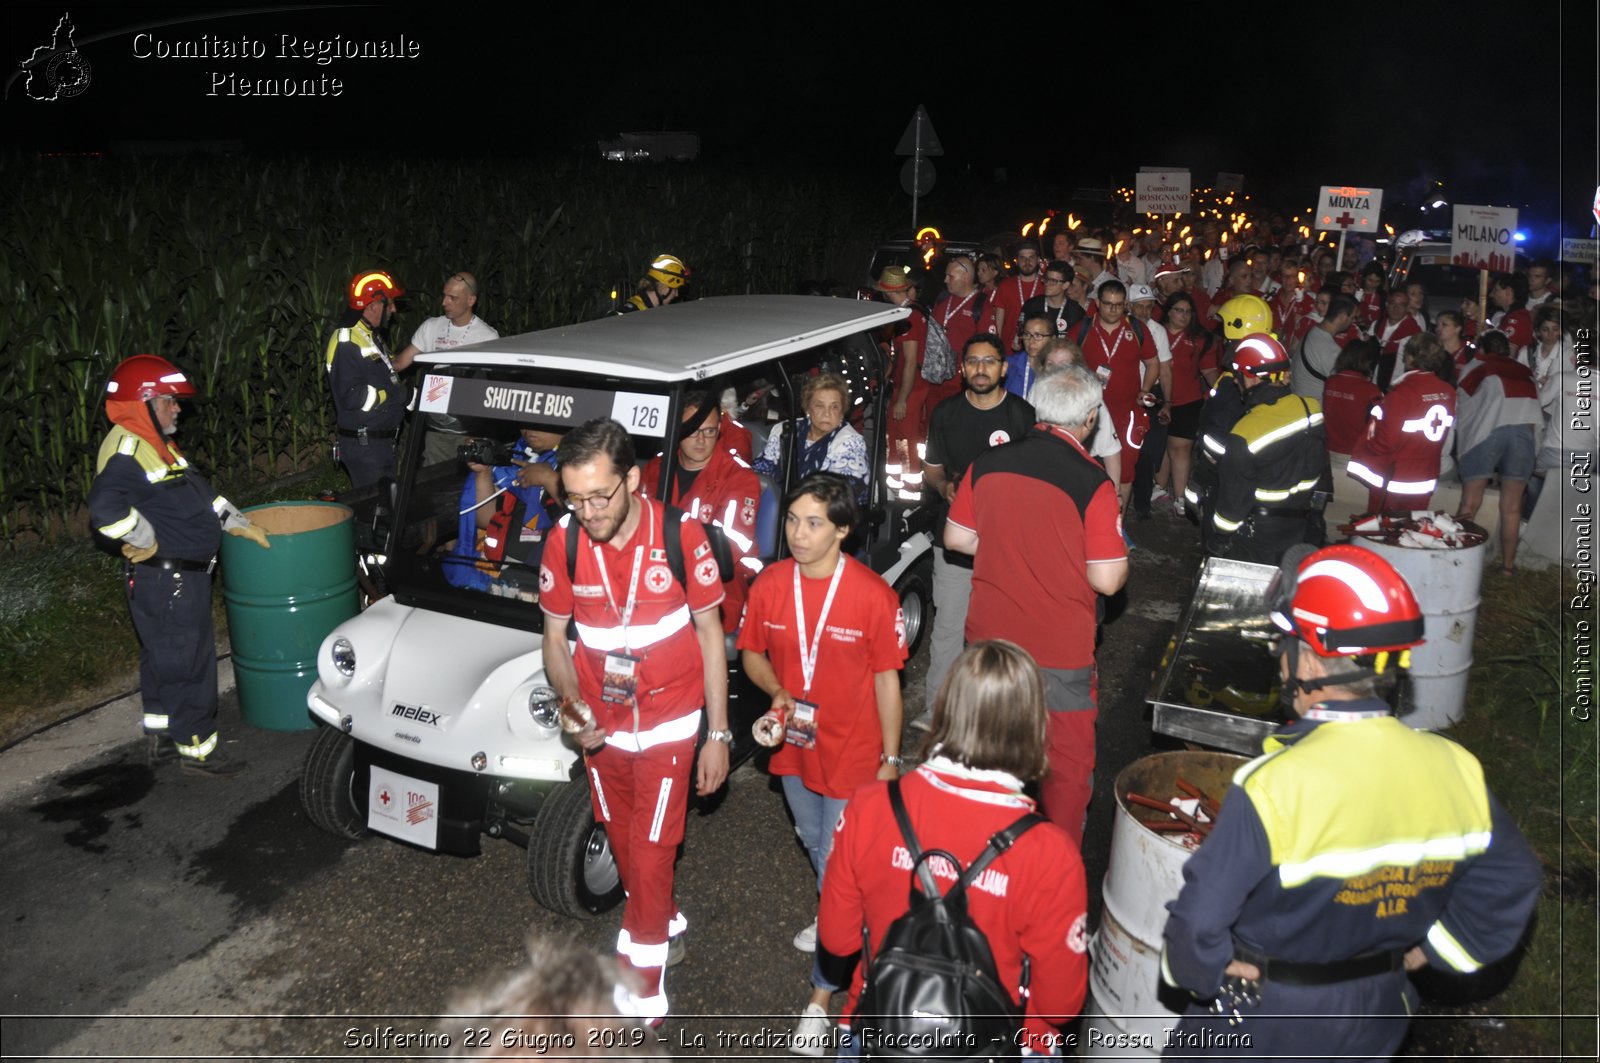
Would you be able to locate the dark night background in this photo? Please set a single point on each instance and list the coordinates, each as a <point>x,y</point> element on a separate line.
<point>1496,101</point>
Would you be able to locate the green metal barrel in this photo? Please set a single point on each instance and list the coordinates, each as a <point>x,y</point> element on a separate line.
<point>283,602</point>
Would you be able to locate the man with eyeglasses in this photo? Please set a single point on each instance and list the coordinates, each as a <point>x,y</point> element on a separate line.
<point>649,656</point>
<point>458,326</point>
<point>714,485</point>
<point>1056,302</point>
<point>1122,354</point>
<point>962,427</point>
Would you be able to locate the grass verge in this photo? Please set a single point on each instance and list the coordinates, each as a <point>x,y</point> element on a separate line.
<point>1541,761</point>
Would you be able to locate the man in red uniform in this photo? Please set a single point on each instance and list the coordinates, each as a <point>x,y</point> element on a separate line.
<point>963,311</point>
<point>1014,291</point>
<point>1035,581</point>
<point>649,656</point>
<point>1392,332</point>
<point>712,484</point>
<point>1399,458</point>
<point>1122,354</point>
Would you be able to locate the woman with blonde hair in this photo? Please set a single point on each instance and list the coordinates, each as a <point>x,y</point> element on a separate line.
<point>986,743</point>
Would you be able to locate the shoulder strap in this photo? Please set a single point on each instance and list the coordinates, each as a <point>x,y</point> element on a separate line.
<point>930,886</point>
<point>1140,333</point>
<point>1080,331</point>
<point>571,527</point>
<point>672,539</point>
<point>999,842</point>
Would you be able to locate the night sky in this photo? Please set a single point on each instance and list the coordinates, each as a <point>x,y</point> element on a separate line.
<point>1497,101</point>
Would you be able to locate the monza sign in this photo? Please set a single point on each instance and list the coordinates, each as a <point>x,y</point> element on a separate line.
<point>1162,192</point>
<point>1483,237</point>
<point>1349,209</point>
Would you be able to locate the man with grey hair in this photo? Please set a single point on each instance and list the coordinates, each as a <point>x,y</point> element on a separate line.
<point>1037,581</point>
<point>456,327</point>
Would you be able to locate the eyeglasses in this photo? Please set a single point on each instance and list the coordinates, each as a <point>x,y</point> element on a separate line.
<point>981,363</point>
<point>704,433</point>
<point>1112,306</point>
<point>597,503</point>
<point>1038,335</point>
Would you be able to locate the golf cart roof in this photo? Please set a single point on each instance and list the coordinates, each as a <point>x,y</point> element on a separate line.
<point>682,341</point>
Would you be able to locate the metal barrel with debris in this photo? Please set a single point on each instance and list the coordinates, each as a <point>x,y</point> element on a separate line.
<point>1442,559</point>
<point>1165,804</point>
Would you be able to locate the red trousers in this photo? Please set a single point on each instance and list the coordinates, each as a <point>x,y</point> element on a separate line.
<point>641,798</point>
<point>1065,791</point>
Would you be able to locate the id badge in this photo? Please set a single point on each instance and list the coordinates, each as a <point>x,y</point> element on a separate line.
<point>530,534</point>
<point>1104,373</point>
<point>801,729</point>
<point>621,682</point>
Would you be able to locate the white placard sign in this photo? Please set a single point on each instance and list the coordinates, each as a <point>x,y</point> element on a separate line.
<point>1162,192</point>
<point>1484,237</point>
<point>404,808</point>
<point>1345,208</point>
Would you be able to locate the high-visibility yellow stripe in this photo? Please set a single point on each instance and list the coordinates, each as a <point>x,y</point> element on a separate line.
<point>1450,950</point>
<point>1224,524</point>
<point>1392,854</point>
<point>198,749</point>
<point>117,529</point>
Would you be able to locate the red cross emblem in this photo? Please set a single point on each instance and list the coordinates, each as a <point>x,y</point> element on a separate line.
<point>1344,221</point>
<point>385,798</point>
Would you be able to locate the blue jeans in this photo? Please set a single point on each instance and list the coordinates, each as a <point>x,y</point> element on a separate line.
<point>815,816</point>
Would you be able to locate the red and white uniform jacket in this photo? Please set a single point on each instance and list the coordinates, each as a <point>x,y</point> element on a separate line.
<point>725,493</point>
<point>1348,398</point>
<point>1407,436</point>
<point>1030,901</point>
<point>1492,392</point>
<point>660,634</point>
<point>1391,335</point>
<point>736,438</point>
<point>1369,307</point>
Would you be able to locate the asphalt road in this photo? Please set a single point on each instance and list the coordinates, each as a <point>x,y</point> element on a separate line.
<point>153,914</point>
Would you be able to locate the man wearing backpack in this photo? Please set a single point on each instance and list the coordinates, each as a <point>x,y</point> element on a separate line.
<point>649,656</point>
<point>963,311</point>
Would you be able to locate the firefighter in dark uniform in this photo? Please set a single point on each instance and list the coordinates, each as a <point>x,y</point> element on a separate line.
<point>169,523</point>
<point>1357,849</point>
<point>1243,315</point>
<point>662,284</point>
<point>1272,479</point>
<point>368,398</point>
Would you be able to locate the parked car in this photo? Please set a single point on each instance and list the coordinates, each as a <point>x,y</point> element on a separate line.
<point>439,723</point>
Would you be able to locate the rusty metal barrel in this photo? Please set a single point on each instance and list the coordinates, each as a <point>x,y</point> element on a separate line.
<point>1125,1018</point>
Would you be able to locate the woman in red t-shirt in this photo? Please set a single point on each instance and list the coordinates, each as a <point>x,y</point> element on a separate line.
<point>1194,371</point>
<point>1349,395</point>
<point>823,636</point>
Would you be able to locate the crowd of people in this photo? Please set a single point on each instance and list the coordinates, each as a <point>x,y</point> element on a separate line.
<point>1103,379</point>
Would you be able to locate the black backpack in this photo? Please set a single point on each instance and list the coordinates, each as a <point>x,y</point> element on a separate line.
<point>932,990</point>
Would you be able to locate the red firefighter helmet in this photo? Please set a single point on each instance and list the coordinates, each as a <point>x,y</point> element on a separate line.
<point>371,284</point>
<point>1348,602</point>
<point>1260,355</point>
<point>144,376</point>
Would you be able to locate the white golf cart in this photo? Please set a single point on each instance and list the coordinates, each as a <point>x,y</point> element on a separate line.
<point>440,727</point>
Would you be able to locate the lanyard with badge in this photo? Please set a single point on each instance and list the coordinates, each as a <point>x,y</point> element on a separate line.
<point>1104,372</point>
<point>801,729</point>
<point>620,684</point>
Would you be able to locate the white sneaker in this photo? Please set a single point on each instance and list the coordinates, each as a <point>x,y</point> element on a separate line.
<point>1157,493</point>
<point>806,940</point>
<point>811,1032</point>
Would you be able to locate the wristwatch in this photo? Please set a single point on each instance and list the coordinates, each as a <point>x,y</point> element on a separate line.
<point>725,737</point>
<point>890,759</point>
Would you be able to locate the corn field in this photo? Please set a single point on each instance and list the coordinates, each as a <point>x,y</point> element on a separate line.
<point>234,268</point>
